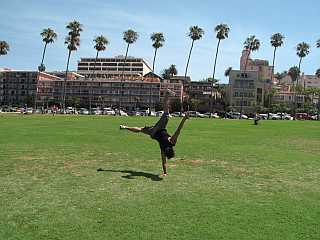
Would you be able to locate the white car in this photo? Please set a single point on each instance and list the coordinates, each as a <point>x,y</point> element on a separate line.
<point>122,113</point>
<point>109,111</point>
<point>273,116</point>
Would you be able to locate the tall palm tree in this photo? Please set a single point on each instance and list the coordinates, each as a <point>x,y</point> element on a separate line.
<point>129,37</point>
<point>101,43</point>
<point>222,31</point>
<point>251,44</point>
<point>158,41</point>
<point>48,36</point>
<point>303,49</point>
<point>4,48</point>
<point>294,73</point>
<point>276,41</point>
<point>195,33</point>
<point>73,42</point>
<point>318,43</point>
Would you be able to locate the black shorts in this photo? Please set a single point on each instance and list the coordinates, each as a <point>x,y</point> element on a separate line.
<point>161,124</point>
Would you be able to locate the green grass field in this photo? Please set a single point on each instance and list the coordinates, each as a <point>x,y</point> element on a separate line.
<point>229,180</point>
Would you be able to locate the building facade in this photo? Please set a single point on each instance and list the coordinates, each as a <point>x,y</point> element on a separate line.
<point>113,67</point>
<point>17,87</point>
<point>246,91</point>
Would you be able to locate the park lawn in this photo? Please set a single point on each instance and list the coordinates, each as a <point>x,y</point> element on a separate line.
<point>229,180</point>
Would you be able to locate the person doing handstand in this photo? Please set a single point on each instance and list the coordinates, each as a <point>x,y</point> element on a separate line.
<point>159,133</point>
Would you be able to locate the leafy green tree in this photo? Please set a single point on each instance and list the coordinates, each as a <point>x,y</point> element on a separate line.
<point>48,36</point>
<point>158,41</point>
<point>101,43</point>
<point>4,48</point>
<point>276,42</point>
<point>73,42</point>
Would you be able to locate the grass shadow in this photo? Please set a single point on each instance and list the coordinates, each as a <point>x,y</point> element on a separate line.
<point>133,174</point>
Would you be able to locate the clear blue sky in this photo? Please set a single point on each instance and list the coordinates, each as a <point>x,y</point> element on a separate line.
<point>22,21</point>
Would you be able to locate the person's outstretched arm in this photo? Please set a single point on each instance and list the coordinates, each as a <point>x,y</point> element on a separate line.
<point>131,129</point>
<point>175,136</point>
<point>164,163</point>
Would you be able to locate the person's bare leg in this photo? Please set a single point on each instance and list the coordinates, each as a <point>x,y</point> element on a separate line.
<point>164,164</point>
<point>131,129</point>
<point>175,136</point>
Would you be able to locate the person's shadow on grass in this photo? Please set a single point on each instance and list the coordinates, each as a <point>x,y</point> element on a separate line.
<point>133,174</point>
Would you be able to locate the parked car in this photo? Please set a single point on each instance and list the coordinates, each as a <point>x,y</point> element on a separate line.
<point>123,113</point>
<point>212,115</point>
<point>263,116</point>
<point>84,111</point>
<point>109,111</point>
<point>274,116</point>
<point>302,116</point>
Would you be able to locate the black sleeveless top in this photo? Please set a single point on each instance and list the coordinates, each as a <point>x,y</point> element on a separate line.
<point>162,137</point>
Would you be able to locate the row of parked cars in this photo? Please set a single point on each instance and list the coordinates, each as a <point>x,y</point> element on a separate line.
<point>273,116</point>
<point>113,112</point>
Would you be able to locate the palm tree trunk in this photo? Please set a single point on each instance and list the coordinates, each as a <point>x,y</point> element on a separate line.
<point>213,75</point>
<point>93,71</point>
<point>186,71</point>
<point>245,69</point>
<point>36,93</point>
<point>64,83</point>
<point>154,59</point>
<point>44,52</point>
<point>274,58</point>
<point>122,78</point>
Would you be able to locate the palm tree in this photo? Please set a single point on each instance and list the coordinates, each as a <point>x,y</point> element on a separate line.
<point>129,37</point>
<point>158,40</point>
<point>318,43</point>
<point>294,73</point>
<point>227,71</point>
<point>172,70</point>
<point>195,33</point>
<point>73,42</point>
<point>48,36</point>
<point>4,48</point>
<point>251,44</point>
<point>303,49</point>
<point>222,31</point>
<point>100,45</point>
<point>276,41</point>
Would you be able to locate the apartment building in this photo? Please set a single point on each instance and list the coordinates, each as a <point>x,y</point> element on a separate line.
<point>246,90</point>
<point>113,67</point>
<point>17,87</point>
